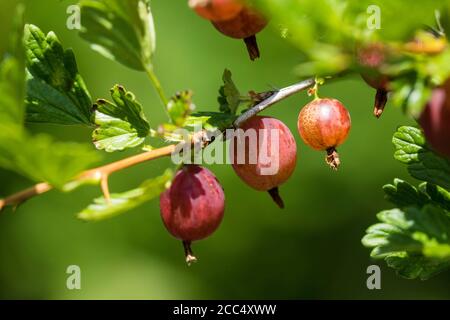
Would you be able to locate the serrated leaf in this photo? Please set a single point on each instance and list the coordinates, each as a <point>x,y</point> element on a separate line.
<point>412,267</point>
<point>123,202</point>
<point>416,242</point>
<point>229,95</point>
<point>180,107</point>
<point>56,93</point>
<point>120,30</point>
<point>121,124</point>
<point>38,158</point>
<point>403,194</point>
<point>423,163</point>
<point>438,195</point>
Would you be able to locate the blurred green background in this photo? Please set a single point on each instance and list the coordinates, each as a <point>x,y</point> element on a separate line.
<point>311,250</point>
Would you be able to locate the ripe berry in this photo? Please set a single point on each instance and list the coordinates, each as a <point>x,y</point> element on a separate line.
<point>435,120</point>
<point>324,124</point>
<point>271,160</point>
<point>192,208</point>
<point>244,26</point>
<point>217,10</point>
<point>371,58</point>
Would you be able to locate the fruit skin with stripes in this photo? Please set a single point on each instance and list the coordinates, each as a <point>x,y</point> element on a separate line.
<point>273,166</point>
<point>217,10</point>
<point>324,124</point>
<point>192,207</point>
<point>435,120</point>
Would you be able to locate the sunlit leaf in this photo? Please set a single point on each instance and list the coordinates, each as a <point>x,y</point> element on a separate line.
<point>56,93</point>
<point>423,163</point>
<point>120,30</point>
<point>229,95</point>
<point>180,107</point>
<point>123,202</point>
<point>121,124</point>
<point>416,242</point>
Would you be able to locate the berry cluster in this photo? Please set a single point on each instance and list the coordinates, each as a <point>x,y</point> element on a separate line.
<point>193,207</point>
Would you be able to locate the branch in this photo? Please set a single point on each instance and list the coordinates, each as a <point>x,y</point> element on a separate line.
<point>273,99</point>
<point>102,173</point>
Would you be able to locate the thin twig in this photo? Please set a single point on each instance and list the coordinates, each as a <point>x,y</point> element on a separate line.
<point>105,171</point>
<point>157,85</point>
<point>273,99</point>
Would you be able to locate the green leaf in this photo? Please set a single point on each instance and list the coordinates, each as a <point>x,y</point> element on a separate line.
<point>403,194</point>
<point>120,30</point>
<point>56,92</point>
<point>12,78</point>
<point>423,164</point>
<point>122,202</point>
<point>438,195</point>
<point>40,158</point>
<point>180,107</point>
<point>412,97</point>
<point>229,95</point>
<point>121,124</point>
<point>412,267</point>
<point>211,121</point>
<point>416,242</point>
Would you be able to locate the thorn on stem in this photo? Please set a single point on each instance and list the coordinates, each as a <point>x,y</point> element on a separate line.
<point>333,158</point>
<point>190,258</point>
<point>275,194</point>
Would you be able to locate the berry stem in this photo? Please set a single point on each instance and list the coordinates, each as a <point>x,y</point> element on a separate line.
<point>275,194</point>
<point>252,47</point>
<point>333,158</point>
<point>381,99</point>
<point>158,87</point>
<point>190,257</point>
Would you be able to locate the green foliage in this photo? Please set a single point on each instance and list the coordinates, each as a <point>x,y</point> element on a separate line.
<point>36,157</point>
<point>438,195</point>
<point>56,93</point>
<point>12,75</point>
<point>403,194</point>
<point>211,121</point>
<point>180,107</point>
<point>416,242</point>
<point>415,238</point>
<point>40,158</point>
<point>423,163</point>
<point>120,30</point>
<point>229,95</point>
<point>327,32</point>
<point>121,124</point>
<point>122,202</point>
